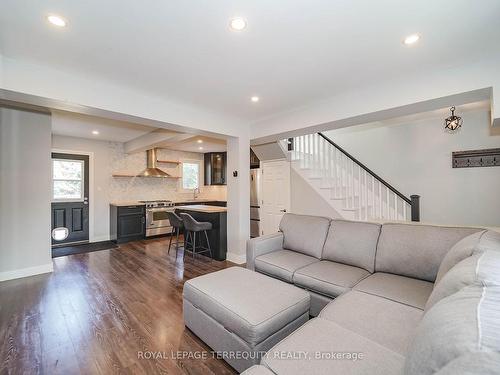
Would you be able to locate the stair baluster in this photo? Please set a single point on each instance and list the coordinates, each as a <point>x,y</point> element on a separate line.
<point>353,189</point>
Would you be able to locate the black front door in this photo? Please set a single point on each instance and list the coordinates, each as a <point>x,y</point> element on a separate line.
<point>70,205</point>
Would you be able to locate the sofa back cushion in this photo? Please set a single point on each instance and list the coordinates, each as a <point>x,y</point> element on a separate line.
<point>416,250</point>
<point>464,323</point>
<point>353,243</point>
<point>482,267</point>
<point>304,234</point>
<point>461,250</point>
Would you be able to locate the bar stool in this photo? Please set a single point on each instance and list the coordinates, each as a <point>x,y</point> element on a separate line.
<point>192,227</point>
<point>177,225</point>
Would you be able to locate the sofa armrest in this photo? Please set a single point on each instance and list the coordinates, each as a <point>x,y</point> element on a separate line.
<point>263,245</point>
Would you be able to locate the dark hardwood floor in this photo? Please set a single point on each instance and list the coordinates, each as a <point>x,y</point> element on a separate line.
<point>99,311</point>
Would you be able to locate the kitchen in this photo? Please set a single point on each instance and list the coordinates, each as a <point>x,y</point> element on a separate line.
<point>124,199</point>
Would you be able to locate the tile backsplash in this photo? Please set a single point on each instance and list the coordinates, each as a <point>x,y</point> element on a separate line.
<point>138,188</point>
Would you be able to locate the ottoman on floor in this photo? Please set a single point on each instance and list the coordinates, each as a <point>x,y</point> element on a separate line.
<point>241,313</point>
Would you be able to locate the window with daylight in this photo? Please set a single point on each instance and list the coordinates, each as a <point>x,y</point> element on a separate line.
<point>67,180</point>
<point>190,176</point>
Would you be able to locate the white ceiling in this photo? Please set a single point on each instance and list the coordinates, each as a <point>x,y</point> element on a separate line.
<point>192,145</point>
<point>81,126</point>
<point>439,115</point>
<point>293,52</point>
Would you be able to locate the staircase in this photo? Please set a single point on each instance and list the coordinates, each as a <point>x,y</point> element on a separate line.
<point>352,189</point>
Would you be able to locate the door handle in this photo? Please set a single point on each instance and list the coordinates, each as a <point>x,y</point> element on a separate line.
<point>282,210</point>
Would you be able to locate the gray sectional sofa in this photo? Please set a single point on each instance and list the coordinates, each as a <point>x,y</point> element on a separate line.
<point>387,299</point>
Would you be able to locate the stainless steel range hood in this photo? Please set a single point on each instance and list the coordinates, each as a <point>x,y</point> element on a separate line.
<point>152,170</point>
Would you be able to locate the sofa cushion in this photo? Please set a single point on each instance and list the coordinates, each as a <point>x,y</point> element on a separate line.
<point>411,292</point>
<point>257,370</point>
<point>465,322</point>
<point>473,364</point>
<point>262,245</point>
<point>321,337</point>
<point>461,250</point>
<point>304,234</point>
<point>251,305</point>
<point>415,250</point>
<point>329,278</point>
<point>481,267</point>
<point>353,243</point>
<point>389,323</point>
<point>282,264</point>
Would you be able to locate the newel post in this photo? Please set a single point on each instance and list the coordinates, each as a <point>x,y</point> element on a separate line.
<point>415,207</point>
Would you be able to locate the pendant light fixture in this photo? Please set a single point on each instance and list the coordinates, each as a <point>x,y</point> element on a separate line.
<point>453,123</point>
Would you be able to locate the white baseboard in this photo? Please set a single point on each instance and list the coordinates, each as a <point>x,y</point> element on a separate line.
<point>236,258</point>
<point>25,272</point>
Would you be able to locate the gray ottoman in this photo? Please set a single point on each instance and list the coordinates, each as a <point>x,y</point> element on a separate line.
<point>241,313</point>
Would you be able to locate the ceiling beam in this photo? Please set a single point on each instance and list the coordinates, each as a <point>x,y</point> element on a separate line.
<point>386,114</point>
<point>154,139</point>
<point>416,91</point>
<point>48,87</point>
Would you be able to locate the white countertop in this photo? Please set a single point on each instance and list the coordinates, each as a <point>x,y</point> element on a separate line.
<point>202,208</point>
<point>126,203</point>
<point>137,203</point>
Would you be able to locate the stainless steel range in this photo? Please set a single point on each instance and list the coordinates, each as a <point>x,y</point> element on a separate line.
<point>156,217</point>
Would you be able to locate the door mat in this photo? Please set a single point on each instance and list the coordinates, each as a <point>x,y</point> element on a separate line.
<point>84,248</point>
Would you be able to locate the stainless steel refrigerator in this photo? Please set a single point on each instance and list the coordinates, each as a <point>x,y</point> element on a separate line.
<point>255,202</point>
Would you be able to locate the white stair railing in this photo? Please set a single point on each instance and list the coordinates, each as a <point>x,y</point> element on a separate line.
<point>359,190</point>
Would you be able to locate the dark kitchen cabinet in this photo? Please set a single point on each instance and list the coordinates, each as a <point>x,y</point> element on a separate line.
<point>215,168</point>
<point>127,223</point>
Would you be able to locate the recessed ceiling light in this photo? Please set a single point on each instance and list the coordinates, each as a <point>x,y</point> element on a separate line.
<point>200,148</point>
<point>237,24</point>
<point>95,132</point>
<point>254,99</point>
<point>411,39</point>
<point>56,20</point>
<point>199,141</point>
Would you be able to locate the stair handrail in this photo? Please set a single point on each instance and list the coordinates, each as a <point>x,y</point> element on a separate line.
<point>413,200</point>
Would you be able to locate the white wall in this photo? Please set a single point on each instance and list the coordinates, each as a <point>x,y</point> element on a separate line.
<point>238,198</point>
<point>305,200</point>
<point>109,157</point>
<point>25,191</point>
<point>415,158</point>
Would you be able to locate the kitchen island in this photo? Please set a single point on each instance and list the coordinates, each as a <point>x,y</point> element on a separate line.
<point>218,217</point>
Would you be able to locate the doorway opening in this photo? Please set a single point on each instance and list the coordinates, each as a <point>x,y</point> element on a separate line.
<point>70,199</point>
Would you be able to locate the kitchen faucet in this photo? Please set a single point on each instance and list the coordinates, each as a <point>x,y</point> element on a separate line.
<point>196,191</point>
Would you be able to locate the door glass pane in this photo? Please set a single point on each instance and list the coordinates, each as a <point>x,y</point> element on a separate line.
<point>67,190</point>
<point>67,169</point>
<point>67,179</point>
<point>190,175</point>
<point>217,168</point>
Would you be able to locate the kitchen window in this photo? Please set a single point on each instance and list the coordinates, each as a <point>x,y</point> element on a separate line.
<point>190,175</point>
<point>67,180</point>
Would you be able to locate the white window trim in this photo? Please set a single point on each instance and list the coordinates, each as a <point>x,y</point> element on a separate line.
<point>200,174</point>
<point>82,196</point>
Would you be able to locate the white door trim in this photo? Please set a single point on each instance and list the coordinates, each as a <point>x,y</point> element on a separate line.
<point>91,186</point>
